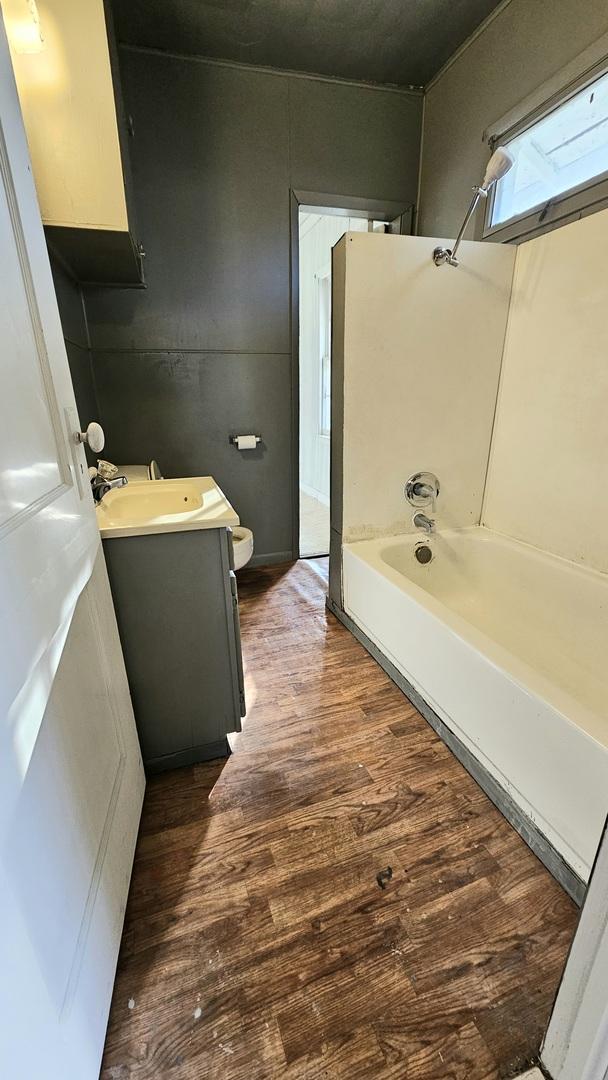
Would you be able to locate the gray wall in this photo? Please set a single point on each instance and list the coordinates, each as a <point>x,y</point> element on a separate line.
<point>526,44</point>
<point>73,324</point>
<point>205,351</point>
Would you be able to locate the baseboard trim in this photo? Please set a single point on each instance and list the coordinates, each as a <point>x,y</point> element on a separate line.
<point>272,559</point>
<point>191,756</point>
<point>534,838</point>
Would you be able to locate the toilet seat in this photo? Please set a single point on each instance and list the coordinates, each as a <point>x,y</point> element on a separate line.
<point>242,542</point>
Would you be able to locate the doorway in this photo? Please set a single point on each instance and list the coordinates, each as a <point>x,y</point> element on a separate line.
<point>318,220</point>
<point>318,232</point>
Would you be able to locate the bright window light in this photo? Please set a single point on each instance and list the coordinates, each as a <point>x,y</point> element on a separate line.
<point>324,312</point>
<point>566,149</point>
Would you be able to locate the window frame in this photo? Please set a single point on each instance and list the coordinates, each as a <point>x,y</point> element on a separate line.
<point>570,205</point>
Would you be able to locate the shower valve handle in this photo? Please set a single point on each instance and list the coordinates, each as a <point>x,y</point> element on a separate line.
<point>422,489</point>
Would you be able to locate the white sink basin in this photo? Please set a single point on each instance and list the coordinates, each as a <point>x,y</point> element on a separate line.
<point>146,507</point>
<point>144,501</point>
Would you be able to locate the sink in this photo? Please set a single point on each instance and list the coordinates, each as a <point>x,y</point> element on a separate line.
<point>144,507</point>
<point>141,501</point>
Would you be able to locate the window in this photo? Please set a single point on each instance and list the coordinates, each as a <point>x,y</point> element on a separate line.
<point>561,163</point>
<point>324,322</point>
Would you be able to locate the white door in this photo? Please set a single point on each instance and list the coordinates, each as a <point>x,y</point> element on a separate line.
<point>71,780</point>
<point>576,1042</point>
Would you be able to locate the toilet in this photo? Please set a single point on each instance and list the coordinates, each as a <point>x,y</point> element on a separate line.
<point>242,538</point>
<point>141,472</point>
<point>242,543</point>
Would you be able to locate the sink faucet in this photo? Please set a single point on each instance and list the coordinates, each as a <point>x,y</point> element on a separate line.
<point>421,521</point>
<point>100,487</point>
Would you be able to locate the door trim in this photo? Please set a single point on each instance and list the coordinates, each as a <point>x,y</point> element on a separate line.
<point>575,1046</point>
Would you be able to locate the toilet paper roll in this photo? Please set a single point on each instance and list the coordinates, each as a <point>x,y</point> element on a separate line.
<point>246,442</point>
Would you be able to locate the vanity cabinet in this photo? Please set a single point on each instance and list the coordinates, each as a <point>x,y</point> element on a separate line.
<point>176,605</point>
<point>65,62</point>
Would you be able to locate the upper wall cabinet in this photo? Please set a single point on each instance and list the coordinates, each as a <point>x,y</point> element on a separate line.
<point>66,68</point>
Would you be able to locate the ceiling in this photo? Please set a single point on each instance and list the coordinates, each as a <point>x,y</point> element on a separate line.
<point>402,42</point>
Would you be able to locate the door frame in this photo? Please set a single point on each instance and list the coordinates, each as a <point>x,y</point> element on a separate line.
<point>339,206</point>
<point>575,1046</point>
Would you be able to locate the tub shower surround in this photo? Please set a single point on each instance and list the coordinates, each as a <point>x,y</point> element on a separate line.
<point>501,642</point>
<point>416,357</point>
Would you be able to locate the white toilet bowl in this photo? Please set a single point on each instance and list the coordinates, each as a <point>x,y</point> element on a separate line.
<point>242,542</point>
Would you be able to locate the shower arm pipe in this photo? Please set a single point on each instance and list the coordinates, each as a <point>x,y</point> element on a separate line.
<point>498,166</point>
<point>442,255</point>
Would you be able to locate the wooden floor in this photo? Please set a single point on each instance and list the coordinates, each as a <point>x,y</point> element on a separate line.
<point>258,941</point>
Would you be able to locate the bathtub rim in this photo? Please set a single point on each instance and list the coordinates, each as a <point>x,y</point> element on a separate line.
<point>481,532</point>
<point>527,679</point>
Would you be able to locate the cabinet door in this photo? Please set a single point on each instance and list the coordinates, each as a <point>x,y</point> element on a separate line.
<point>233,626</point>
<point>236,622</point>
<point>176,619</point>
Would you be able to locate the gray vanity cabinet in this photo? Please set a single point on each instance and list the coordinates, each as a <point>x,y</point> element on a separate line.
<point>177,610</point>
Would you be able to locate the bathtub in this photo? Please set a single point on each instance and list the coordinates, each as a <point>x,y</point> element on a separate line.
<point>509,647</point>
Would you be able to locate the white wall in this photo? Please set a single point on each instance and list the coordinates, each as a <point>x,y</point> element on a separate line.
<point>548,475</point>
<point>422,352</point>
<point>318,234</point>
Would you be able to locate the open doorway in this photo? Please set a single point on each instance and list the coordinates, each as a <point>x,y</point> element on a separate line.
<point>318,232</point>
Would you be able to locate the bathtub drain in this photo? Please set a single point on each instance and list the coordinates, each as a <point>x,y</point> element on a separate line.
<point>423,553</point>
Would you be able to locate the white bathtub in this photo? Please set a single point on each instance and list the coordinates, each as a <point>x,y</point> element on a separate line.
<point>509,646</point>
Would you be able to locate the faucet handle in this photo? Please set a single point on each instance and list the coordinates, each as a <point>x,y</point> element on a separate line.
<point>426,492</point>
<point>422,489</point>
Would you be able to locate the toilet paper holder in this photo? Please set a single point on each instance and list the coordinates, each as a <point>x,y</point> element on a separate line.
<point>234,439</point>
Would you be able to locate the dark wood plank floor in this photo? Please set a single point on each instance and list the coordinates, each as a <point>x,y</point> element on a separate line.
<point>258,942</point>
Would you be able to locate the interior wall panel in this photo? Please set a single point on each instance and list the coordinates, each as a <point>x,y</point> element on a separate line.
<point>549,463</point>
<point>525,45</point>
<point>210,175</point>
<point>407,332</point>
<point>353,140</point>
<point>181,408</point>
<point>73,324</point>
<point>215,154</point>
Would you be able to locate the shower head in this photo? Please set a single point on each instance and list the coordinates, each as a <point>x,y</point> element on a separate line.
<point>497,167</point>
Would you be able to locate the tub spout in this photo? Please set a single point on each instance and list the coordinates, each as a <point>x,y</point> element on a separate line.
<point>421,521</point>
